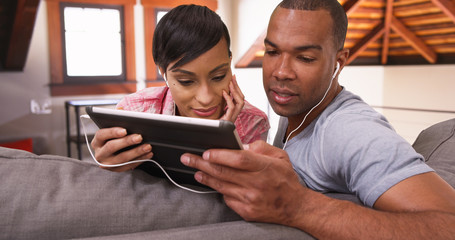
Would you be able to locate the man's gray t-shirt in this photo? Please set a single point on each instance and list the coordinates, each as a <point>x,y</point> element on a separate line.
<point>350,148</point>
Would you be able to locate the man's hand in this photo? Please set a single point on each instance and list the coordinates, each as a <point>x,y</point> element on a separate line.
<point>109,141</point>
<point>259,183</point>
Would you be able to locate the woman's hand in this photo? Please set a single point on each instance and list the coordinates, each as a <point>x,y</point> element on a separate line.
<point>235,101</point>
<point>109,141</point>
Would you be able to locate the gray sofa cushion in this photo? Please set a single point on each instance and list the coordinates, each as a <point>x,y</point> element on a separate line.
<point>237,230</point>
<point>437,145</point>
<point>53,197</point>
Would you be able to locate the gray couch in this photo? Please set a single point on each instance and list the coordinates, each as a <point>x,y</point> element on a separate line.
<point>53,197</point>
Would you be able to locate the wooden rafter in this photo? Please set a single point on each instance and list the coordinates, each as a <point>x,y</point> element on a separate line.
<point>447,7</point>
<point>415,41</point>
<point>351,6</point>
<point>364,42</point>
<point>386,37</point>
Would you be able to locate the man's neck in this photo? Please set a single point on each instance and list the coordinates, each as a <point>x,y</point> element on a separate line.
<point>295,121</point>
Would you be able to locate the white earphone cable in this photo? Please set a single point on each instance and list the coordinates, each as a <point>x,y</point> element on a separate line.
<point>315,106</point>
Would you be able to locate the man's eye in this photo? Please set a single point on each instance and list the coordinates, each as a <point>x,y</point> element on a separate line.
<point>271,52</point>
<point>305,59</point>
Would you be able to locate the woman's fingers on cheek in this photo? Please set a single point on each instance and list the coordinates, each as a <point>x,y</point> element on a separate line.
<point>228,99</point>
<point>230,106</point>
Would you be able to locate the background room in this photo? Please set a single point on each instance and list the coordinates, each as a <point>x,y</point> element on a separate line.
<point>412,96</point>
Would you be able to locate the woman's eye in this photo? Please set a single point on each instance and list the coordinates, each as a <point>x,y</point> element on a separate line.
<point>185,82</point>
<point>219,78</point>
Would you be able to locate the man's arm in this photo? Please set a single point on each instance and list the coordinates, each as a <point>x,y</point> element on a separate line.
<point>261,185</point>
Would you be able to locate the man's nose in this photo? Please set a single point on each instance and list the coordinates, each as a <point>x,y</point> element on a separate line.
<point>283,69</point>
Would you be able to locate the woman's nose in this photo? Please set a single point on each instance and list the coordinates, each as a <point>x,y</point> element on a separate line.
<point>205,94</point>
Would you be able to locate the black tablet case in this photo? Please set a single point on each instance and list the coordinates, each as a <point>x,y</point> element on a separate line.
<point>170,140</point>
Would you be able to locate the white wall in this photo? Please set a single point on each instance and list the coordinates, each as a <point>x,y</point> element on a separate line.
<point>413,86</point>
<point>421,87</point>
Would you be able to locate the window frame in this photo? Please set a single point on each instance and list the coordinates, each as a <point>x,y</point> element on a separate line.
<point>58,86</point>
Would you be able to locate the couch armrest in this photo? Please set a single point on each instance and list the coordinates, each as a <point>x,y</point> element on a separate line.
<point>437,145</point>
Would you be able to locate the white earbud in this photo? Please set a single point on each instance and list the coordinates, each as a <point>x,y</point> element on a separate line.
<point>164,77</point>
<point>336,70</point>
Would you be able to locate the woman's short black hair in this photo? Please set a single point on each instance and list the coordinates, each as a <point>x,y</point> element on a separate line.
<point>185,33</point>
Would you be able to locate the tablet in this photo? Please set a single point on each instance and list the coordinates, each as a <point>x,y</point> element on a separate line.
<point>170,137</point>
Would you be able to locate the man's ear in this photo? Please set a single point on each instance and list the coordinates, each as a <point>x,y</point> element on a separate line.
<point>342,58</point>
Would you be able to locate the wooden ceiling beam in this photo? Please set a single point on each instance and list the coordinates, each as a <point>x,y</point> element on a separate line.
<point>351,6</point>
<point>447,7</point>
<point>408,2</point>
<point>414,40</point>
<point>416,9</point>
<point>429,19</point>
<point>363,43</point>
<point>386,38</point>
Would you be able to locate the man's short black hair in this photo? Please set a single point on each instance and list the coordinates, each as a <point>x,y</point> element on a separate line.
<point>339,18</point>
<point>185,33</point>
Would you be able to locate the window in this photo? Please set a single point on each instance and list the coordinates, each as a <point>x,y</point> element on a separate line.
<point>92,46</point>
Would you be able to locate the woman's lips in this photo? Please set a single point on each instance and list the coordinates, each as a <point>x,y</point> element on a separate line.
<point>205,112</point>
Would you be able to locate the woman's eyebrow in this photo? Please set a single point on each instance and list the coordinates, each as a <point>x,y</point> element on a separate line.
<point>218,67</point>
<point>193,74</point>
<point>184,71</point>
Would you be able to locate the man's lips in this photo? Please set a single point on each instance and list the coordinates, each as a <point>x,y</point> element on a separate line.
<point>282,96</point>
<point>205,112</point>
